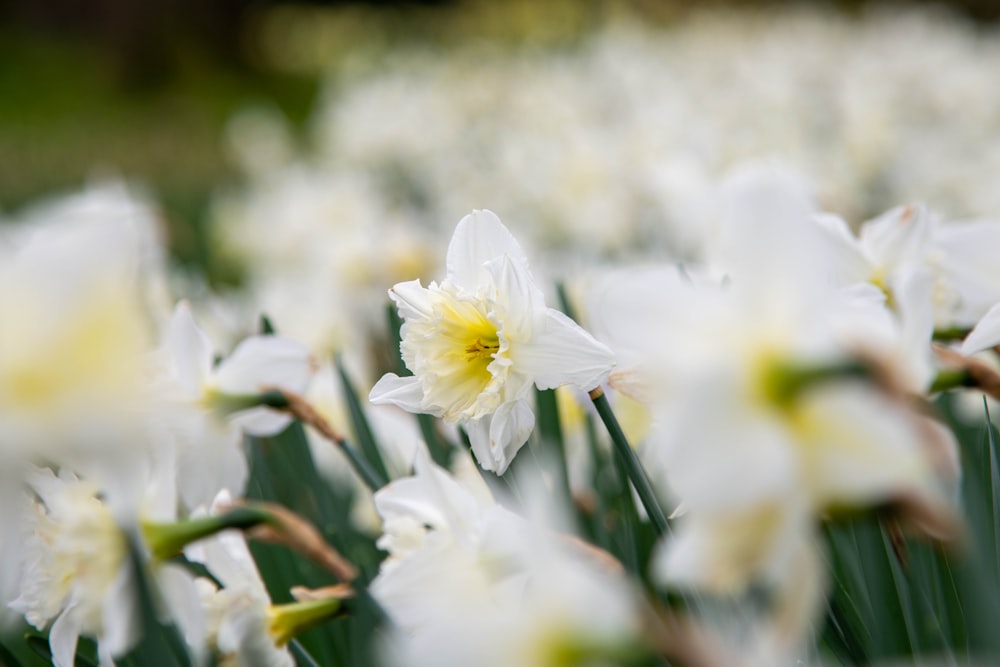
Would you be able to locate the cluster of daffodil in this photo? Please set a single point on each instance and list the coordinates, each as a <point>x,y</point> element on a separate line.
<point>610,146</point>
<point>775,384</point>
<point>119,427</point>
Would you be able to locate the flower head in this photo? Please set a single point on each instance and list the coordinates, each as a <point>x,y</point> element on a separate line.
<point>477,341</point>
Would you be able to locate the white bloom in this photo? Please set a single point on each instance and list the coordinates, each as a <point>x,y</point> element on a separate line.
<point>76,572</point>
<point>73,331</point>
<point>478,340</point>
<point>469,583</point>
<point>194,389</point>
<point>762,421</point>
<point>237,613</point>
<point>74,567</point>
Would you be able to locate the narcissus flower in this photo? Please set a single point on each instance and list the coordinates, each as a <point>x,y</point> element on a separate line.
<point>208,406</point>
<point>478,340</point>
<point>468,582</point>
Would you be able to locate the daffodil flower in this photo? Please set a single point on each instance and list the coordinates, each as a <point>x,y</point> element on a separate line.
<point>199,397</point>
<point>467,582</point>
<point>477,341</point>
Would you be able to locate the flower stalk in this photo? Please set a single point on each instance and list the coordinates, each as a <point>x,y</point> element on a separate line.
<point>302,410</point>
<point>166,540</point>
<point>633,467</point>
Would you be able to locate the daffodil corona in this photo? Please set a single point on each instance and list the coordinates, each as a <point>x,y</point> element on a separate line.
<point>477,341</point>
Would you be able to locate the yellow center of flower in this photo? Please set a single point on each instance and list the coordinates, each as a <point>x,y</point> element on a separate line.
<point>481,349</point>
<point>454,351</point>
<point>94,354</point>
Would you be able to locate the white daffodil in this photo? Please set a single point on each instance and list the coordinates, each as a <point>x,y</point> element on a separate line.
<point>74,329</point>
<point>242,626</point>
<point>469,583</point>
<point>196,392</point>
<point>766,414</point>
<point>477,341</point>
<point>76,572</point>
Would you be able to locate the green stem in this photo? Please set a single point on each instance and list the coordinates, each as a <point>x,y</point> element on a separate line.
<point>550,431</point>
<point>372,479</point>
<point>786,382</point>
<point>951,334</point>
<point>636,473</point>
<point>166,540</point>
<point>951,379</point>
<point>362,429</point>
<point>301,655</point>
<point>361,466</point>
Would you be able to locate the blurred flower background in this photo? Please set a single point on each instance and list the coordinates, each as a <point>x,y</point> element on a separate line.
<point>420,109</point>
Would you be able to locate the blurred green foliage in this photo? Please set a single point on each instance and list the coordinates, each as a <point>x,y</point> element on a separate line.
<point>66,117</point>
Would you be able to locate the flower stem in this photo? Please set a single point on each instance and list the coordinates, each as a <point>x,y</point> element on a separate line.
<point>169,539</point>
<point>633,467</point>
<point>302,410</point>
<point>951,379</point>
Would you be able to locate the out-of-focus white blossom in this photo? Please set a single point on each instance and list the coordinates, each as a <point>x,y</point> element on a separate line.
<point>761,425</point>
<point>77,578</point>
<point>75,280</point>
<point>197,394</point>
<point>468,582</point>
<point>236,614</point>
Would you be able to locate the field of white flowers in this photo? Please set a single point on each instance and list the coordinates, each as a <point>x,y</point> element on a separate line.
<point>673,346</point>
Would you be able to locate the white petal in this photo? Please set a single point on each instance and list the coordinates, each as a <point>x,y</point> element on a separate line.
<point>261,422</point>
<point>898,238</point>
<point>860,448</point>
<point>177,586</point>
<point>63,637</point>
<point>479,238</point>
<point>985,334</point>
<point>402,391</point>
<point>518,299</point>
<point>742,458</point>
<point>213,460</point>
<point>509,430</point>
<point>562,352</point>
<point>263,361</point>
<point>968,259</point>
<point>913,293</point>
<point>849,263</point>
<point>496,438</point>
<point>411,299</point>
<point>189,349</point>
<point>724,553</point>
<point>479,437</point>
<point>120,609</point>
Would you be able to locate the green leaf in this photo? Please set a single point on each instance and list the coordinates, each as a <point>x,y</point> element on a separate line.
<point>161,645</point>
<point>302,657</point>
<point>632,466</point>
<point>362,429</point>
<point>282,470</point>
<point>7,658</point>
<point>549,431</point>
